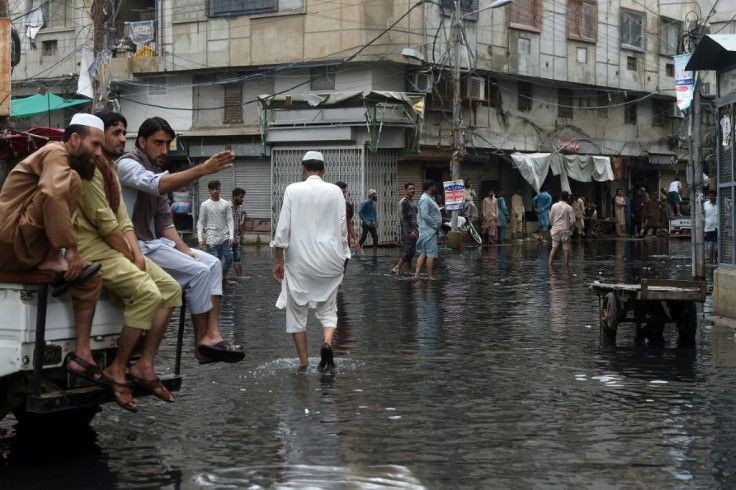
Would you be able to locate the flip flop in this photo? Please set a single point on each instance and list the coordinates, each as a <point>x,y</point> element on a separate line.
<point>155,387</point>
<point>61,286</point>
<point>222,351</point>
<point>91,372</point>
<point>122,395</point>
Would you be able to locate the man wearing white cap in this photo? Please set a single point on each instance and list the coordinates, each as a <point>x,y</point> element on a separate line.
<point>368,215</point>
<point>37,202</point>
<point>310,253</point>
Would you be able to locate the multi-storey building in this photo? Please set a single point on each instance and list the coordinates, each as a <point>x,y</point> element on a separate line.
<point>370,85</point>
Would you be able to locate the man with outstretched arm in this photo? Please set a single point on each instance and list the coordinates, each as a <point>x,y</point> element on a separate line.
<point>145,186</point>
<point>37,202</point>
<point>310,254</point>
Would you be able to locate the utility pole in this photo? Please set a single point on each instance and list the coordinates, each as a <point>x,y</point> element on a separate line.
<point>5,59</point>
<point>458,138</point>
<point>697,217</point>
<point>99,101</point>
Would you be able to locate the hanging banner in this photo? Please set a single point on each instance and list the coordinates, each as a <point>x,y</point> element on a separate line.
<point>684,82</point>
<point>454,194</point>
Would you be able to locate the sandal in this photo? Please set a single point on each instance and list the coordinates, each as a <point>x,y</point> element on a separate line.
<point>91,372</point>
<point>123,397</point>
<point>155,387</point>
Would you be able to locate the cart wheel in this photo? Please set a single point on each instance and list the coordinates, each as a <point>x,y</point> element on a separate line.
<point>609,315</point>
<point>598,230</point>
<point>687,324</point>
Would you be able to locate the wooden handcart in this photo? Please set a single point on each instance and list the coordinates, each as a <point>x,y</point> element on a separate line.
<point>649,305</point>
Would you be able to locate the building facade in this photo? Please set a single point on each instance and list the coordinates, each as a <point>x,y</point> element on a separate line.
<point>371,85</point>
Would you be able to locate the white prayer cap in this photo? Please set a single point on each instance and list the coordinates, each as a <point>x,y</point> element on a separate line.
<point>313,155</point>
<point>371,192</point>
<point>83,119</point>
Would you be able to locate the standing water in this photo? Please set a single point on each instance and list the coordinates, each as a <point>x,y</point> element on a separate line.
<point>493,376</point>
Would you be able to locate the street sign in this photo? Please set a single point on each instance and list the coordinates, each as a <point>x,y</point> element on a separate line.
<point>454,195</point>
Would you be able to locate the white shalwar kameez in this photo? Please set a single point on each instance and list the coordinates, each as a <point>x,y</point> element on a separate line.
<point>312,230</point>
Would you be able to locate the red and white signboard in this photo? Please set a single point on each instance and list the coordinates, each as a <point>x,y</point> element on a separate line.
<point>568,145</point>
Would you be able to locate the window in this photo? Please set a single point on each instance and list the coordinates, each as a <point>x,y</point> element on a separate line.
<point>582,20</point>
<point>565,102</point>
<point>633,25</point>
<point>469,8</point>
<point>233,104</point>
<point>669,36</point>
<point>582,55</point>
<point>322,78</point>
<point>49,48</point>
<point>602,103</point>
<point>660,110</point>
<point>669,70</point>
<point>631,63</point>
<point>524,103</point>
<point>157,86</point>
<point>526,14</point>
<point>524,45</point>
<point>232,8</point>
<point>630,110</point>
<point>493,93</point>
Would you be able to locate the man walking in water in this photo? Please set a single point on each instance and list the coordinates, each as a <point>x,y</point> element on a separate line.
<point>409,231</point>
<point>541,204</point>
<point>429,220</point>
<point>562,218</point>
<point>310,254</point>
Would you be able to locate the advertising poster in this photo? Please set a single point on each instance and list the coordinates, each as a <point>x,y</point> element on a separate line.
<point>454,195</point>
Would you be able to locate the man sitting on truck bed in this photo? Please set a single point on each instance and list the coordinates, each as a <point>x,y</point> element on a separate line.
<point>36,205</point>
<point>149,295</point>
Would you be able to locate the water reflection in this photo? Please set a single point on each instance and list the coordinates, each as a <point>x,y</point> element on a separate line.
<point>490,377</point>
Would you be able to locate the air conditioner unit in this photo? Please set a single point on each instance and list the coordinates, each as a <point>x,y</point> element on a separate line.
<point>477,88</point>
<point>422,82</point>
<point>674,111</point>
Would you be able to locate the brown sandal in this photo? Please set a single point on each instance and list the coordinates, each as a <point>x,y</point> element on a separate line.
<point>123,396</point>
<point>155,387</point>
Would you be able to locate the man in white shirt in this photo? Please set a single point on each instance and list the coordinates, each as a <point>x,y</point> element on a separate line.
<point>310,254</point>
<point>711,225</point>
<point>145,189</point>
<point>215,228</point>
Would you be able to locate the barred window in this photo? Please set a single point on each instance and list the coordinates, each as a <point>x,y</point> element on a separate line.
<point>669,36</point>
<point>633,26</point>
<point>232,8</point>
<point>524,96</point>
<point>322,78</point>
<point>233,104</point>
<point>582,20</point>
<point>630,110</point>
<point>468,8</point>
<point>565,102</point>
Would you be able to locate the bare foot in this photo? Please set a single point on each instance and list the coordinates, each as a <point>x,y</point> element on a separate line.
<point>58,265</point>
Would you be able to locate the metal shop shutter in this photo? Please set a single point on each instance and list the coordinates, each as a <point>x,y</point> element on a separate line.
<point>255,177</point>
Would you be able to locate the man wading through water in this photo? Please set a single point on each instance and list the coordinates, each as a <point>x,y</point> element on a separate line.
<point>310,254</point>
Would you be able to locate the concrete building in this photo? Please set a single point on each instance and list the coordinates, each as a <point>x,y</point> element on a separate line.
<point>273,79</point>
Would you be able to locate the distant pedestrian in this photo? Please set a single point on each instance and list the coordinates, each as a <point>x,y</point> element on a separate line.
<point>636,213</point>
<point>627,212</point>
<point>517,214</point>
<point>542,203</point>
<point>368,214</point>
<point>236,204</point>
<point>429,220</point>
<point>408,227</point>
<point>490,216</point>
<point>652,215</point>
<point>710,207</point>
<point>674,196</point>
<point>620,211</point>
<point>578,206</point>
<point>469,198</point>
<point>310,254</point>
<point>349,213</point>
<point>562,219</point>
<point>215,228</point>
<point>503,217</point>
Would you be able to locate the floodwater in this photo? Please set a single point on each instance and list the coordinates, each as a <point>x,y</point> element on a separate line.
<point>493,376</point>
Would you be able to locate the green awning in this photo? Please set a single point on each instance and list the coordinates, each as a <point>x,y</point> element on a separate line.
<point>41,104</point>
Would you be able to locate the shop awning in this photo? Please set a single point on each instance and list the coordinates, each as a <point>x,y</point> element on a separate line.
<point>714,52</point>
<point>41,104</point>
<point>20,144</point>
<point>534,167</point>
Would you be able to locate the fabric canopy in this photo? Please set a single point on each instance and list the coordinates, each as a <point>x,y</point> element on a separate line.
<point>534,167</point>
<point>41,104</point>
<point>20,144</point>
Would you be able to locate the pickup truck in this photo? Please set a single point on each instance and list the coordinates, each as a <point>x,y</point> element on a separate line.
<point>36,336</point>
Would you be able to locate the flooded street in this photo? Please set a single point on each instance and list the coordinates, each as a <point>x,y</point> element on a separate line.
<point>493,376</point>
